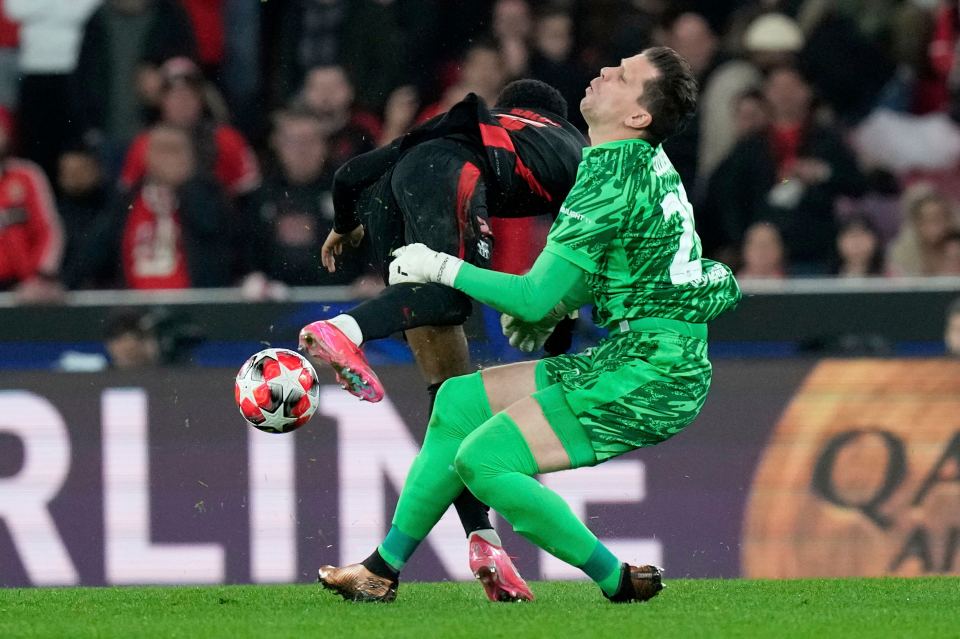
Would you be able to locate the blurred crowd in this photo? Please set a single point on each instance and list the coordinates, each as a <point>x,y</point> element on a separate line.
<point>152,144</point>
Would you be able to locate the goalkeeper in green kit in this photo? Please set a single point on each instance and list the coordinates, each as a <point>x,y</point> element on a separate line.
<point>624,241</point>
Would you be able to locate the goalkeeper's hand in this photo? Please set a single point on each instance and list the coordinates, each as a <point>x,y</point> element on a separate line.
<point>531,336</point>
<point>523,336</point>
<point>417,263</point>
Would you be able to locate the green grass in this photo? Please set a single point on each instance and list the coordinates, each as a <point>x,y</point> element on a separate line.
<point>923,607</point>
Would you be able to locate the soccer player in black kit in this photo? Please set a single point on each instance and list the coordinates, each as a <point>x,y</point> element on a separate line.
<point>438,185</point>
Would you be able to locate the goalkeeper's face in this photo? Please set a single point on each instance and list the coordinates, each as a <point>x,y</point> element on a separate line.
<point>614,98</point>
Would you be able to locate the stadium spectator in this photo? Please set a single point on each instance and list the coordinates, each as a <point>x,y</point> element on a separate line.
<point>50,32</point>
<point>512,27</point>
<point>553,59</point>
<point>9,66</point>
<point>853,88</point>
<point>399,114</point>
<point>859,249</point>
<point>292,212</point>
<point>928,218</point>
<point>751,113</point>
<point>790,174</point>
<point>137,338</point>
<point>751,116</point>
<point>31,233</point>
<point>329,33</point>
<point>689,34</point>
<point>329,94</point>
<point>117,75</point>
<point>221,151</point>
<point>770,40</point>
<point>130,338</point>
<point>172,231</point>
<point>951,333</point>
<point>81,198</point>
<point>763,253</point>
<point>482,71</point>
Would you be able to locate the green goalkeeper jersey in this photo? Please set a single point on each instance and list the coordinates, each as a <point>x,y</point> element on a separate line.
<point>627,222</point>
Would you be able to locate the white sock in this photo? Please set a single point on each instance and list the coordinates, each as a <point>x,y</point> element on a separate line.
<point>349,327</point>
<point>489,535</point>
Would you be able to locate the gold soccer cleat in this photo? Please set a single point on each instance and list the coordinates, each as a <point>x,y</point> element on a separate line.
<point>356,583</point>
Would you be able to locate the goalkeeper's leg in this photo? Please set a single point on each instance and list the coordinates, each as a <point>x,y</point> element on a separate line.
<point>498,461</point>
<point>431,486</point>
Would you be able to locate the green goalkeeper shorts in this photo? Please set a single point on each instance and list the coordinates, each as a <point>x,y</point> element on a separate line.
<point>635,388</point>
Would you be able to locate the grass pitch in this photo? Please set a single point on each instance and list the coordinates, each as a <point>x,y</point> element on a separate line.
<point>922,607</point>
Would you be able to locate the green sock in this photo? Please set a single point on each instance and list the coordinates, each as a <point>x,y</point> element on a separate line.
<point>497,466</point>
<point>604,568</point>
<point>432,483</point>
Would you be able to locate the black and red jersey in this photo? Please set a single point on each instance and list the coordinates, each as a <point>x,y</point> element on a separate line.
<point>529,159</point>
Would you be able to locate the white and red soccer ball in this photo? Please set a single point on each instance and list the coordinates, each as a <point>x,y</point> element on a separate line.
<point>277,390</point>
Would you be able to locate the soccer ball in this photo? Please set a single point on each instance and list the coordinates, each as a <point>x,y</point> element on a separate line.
<point>277,390</point>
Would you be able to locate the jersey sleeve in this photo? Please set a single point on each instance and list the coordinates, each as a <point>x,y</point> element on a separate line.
<point>528,297</point>
<point>237,162</point>
<point>44,223</point>
<point>135,164</point>
<point>591,215</point>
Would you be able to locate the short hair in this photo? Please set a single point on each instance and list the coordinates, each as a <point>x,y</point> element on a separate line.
<point>532,94</point>
<point>671,97</point>
<point>122,321</point>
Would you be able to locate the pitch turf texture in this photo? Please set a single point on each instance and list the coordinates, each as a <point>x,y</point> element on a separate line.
<point>923,607</point>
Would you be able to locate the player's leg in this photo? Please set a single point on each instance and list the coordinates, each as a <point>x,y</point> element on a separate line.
<point>498,461</point>
<point>441,353</point>
<point>434,195</point>
<point>431,486</point>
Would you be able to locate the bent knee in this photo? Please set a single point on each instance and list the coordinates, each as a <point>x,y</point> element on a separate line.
<point>467,464</point>
<point>454,390</point>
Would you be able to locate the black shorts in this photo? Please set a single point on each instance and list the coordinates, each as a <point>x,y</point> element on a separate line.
<point>435,195</point>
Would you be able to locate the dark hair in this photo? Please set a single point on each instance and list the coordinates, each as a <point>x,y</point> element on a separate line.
<point>671,97</point>
<point>532,94</point>
<point>860,220</point>
<point>122,321</point>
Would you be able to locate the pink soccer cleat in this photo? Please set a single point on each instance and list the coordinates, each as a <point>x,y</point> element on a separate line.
<point>324,341</point>
<point>495,570</point>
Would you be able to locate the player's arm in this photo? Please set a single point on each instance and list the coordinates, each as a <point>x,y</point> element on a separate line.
<point>348,182</point>
<point>541,294</point>
<point>530,297</point>
<point>356,175</point>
